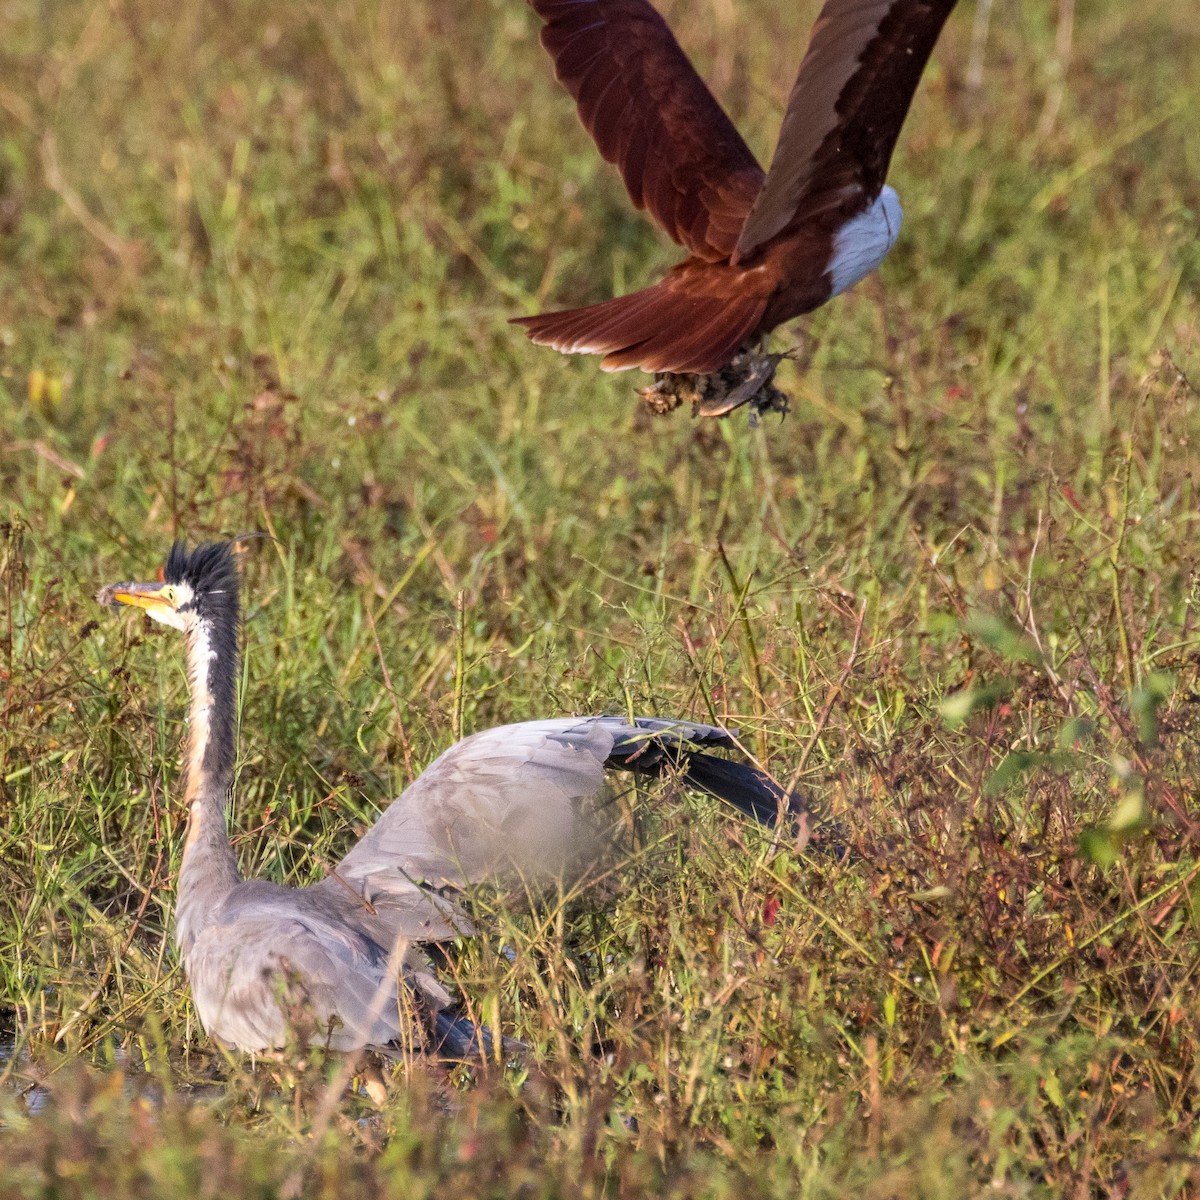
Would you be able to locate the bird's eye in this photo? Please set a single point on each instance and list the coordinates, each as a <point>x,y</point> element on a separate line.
<point>169,595</point>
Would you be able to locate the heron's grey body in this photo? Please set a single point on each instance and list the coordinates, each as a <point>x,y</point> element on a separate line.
<point>340,961</point>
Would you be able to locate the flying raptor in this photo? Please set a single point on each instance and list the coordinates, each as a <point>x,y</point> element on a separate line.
<point>763,248</point>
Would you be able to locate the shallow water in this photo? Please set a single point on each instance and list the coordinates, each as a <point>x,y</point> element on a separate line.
<point>15,1085</point>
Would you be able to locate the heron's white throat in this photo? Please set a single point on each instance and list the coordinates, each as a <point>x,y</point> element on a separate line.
<point>201,657</point>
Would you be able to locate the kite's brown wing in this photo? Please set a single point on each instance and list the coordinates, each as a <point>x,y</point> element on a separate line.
<point>652,115</point>
<point>850,98</point>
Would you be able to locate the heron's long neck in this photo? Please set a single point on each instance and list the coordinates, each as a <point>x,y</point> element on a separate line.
<point>209,870</point>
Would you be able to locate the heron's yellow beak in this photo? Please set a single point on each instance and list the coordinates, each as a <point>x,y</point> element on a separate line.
<point>159,600</point>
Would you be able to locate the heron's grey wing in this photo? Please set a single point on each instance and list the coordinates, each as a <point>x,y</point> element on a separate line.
<point>849,101</point>
<point>259,975</point>
<point>651,115</point>
<point>501,803</point>
<point>404,908</point>
<point>510,803</point>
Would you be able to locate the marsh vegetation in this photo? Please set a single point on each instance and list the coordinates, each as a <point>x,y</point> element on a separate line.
<point>255,267</point>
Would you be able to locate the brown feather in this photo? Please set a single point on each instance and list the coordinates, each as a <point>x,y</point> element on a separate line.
<point>651,115</point>
<point>660,328</point>
<point>762,251</point>
<point>849,101</point>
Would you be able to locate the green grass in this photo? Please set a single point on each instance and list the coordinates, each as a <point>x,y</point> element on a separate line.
<point>255,267</point>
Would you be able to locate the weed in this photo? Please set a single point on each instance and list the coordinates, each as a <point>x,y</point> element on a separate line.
<point>255,267</point>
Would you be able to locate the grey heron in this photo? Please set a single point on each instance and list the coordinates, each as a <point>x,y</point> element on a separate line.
<point>341,961</point>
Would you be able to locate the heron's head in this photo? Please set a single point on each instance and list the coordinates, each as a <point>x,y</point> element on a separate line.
<point>196,587</point>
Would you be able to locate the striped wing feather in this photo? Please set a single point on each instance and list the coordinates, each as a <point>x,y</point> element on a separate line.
<point>849,101</point>
<point>651,115</point>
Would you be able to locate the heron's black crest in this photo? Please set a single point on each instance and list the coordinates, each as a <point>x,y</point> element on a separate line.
<point>209,570</point>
